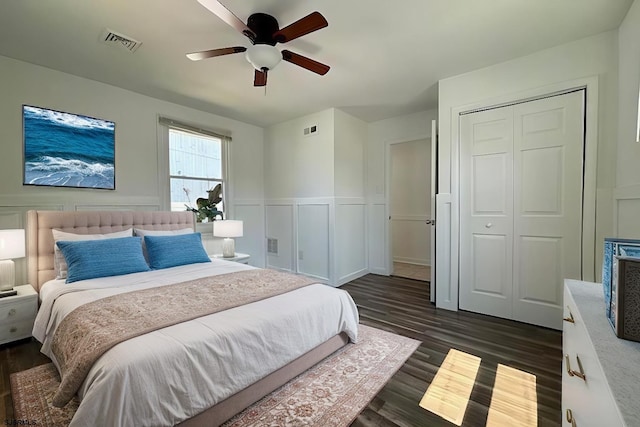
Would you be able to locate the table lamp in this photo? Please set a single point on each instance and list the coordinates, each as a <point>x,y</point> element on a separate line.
<point>227,228</point>
<point>11,247</point>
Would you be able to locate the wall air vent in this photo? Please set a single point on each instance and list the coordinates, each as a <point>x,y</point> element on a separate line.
<point>112,38</point>
<point>272,246</point>
<point>311,130</point>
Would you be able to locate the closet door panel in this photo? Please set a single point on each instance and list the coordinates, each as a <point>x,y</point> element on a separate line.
<point>486,209</point>
<point>548,152</point>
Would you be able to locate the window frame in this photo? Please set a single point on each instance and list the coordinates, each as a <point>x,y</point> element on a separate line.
<point>164,156</point>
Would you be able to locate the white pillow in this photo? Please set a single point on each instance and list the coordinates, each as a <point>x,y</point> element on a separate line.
<point>59,263</point>
<point>142,232</point>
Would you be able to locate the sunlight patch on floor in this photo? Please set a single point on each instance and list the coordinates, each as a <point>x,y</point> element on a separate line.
<point>514,400</point>
<point>448,394</point>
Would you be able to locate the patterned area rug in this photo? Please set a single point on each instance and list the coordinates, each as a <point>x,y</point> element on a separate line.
<point>332,393</point>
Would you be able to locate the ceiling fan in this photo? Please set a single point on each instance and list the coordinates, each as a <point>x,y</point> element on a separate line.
<point>263,32</point>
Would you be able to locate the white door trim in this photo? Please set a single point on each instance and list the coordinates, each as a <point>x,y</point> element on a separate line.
<point>447,292</point>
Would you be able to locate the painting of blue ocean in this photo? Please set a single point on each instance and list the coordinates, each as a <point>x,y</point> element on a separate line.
<point>67,150</point>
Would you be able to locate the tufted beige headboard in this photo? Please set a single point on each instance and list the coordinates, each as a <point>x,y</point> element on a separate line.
<point>40,238</point>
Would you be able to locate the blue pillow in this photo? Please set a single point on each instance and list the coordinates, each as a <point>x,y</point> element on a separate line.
<point>170,251</point>
<point>88,259</point>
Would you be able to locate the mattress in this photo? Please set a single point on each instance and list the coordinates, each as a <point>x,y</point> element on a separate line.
<point>172,374</point>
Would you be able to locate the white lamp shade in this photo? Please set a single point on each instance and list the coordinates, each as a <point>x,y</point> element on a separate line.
<point>227,228</point>
<point>12,244</point>
<point>263,56</point>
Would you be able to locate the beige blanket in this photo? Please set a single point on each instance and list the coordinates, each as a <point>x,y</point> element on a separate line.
<point>92,329</point>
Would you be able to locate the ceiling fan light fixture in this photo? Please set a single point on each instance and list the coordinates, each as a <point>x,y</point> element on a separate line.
<point>263,56</point>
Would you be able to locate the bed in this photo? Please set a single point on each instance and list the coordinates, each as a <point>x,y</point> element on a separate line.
<point>199,372</point>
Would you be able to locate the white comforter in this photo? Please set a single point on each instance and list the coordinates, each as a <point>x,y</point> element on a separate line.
<point>172,374</point>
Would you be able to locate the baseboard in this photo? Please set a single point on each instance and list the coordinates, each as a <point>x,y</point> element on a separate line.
<point>352,276</point>
<point>414,261</point>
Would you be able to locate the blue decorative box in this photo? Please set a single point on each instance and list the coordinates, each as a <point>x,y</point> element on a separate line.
<point>615,247</point>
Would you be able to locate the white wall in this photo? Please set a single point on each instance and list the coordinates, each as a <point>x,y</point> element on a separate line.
<point>350,136</point>
<point>299,166</point>
<point>627,193</point>
<point>350,235</point>
<point>314,186</point>
<point>380,134</point>
<point>141,181</point>
<point>545,70</point>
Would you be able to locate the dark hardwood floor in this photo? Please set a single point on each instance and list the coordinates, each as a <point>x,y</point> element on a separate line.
<point>402,306</point>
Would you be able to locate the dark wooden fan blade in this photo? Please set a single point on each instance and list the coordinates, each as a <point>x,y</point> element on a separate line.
<point>197,56</point>
<point>260,78</point>
<point>305,62</point>
<point>310,23</point>
<point>227,16</point>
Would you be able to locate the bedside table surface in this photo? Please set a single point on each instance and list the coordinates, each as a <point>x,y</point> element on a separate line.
<point>24,291</point>
<point>238,257</point>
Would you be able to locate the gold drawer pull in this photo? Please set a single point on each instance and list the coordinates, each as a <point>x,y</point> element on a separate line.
<point>12,312</point>
<point>569,319</point>
<point>580,374</point>
<point>13,329</point>
<point>570,418</point>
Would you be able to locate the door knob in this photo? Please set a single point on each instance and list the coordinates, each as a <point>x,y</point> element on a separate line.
<point>488,225</point>
<point>430,222</point>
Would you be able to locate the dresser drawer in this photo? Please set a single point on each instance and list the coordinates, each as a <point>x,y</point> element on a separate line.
<point>589,400</point>
<point>15,330</point>
<point>24,309</point>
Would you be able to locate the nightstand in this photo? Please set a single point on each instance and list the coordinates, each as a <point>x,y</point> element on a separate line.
<point>17,314</point>
<point>241,258</point>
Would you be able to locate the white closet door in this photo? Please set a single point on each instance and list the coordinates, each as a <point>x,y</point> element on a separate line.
<point>486,210</point>
<point>548,153</point>
<point>521,171</point>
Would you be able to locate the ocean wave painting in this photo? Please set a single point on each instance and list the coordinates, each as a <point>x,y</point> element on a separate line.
<point>67,150</point>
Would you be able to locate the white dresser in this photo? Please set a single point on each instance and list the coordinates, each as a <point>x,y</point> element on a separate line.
<point>600,372</point>
<point>17,314</point>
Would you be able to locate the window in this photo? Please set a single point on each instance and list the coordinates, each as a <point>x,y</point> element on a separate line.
<point>197,169</point>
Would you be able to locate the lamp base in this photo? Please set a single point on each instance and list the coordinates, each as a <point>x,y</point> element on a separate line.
<point>228,248</point>
<point>7,274</point>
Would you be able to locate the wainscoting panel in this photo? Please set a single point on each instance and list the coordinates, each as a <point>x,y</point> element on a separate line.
<point>252,242</point>
<point>351,242</point>
<point>313,240</point>
<point>628,217</point>
<point>280,227</point>
<point>118,207</point>
<point>377,244</point>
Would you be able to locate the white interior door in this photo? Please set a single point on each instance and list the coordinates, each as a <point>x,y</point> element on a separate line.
<point>521,207</point>
<point>409,202</point>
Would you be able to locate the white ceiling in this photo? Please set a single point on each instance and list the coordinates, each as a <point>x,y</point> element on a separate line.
<point>386,57</point>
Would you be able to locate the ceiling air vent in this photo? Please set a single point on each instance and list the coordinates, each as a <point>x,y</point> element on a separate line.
<point>112,38</point>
